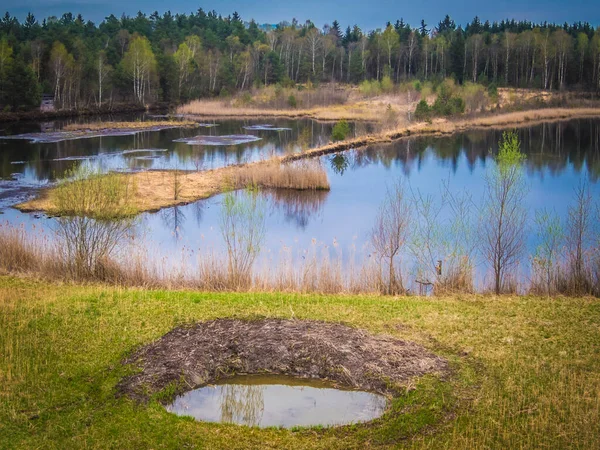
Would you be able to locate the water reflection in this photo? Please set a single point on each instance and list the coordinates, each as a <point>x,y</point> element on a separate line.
<point>550,148</point>
<point>241,403</point>
<point>298,207</point>
<point>339,163</point>
<point>279,401</point>
<point>41,162</point>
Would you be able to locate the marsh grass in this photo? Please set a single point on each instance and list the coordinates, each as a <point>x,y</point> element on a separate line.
<point>18,253</point>
<point>301,175</point>
<point>87,192</point>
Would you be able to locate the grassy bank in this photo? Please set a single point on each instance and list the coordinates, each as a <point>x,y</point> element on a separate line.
<point>526,370</point>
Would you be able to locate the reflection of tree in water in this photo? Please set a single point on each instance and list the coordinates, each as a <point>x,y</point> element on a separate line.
<point>173,218</point>
<point>242,403</point>
<point>298,206</point>
<point>339,163</point>
<point>552,146</point>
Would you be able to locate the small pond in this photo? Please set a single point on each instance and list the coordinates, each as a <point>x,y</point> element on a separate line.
<point>278,401</point>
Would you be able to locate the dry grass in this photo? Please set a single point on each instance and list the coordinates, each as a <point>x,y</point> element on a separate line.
<point>18,252</point>
<point>216,108</point>
<point>304,175</point>
<point>329,102</point>
<point>111,126</point>
<point>311,271</point>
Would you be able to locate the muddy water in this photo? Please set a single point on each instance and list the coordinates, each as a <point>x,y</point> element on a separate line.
<point>278,401</point>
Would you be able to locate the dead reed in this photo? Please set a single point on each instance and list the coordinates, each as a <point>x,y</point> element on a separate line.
<point>303,175</point>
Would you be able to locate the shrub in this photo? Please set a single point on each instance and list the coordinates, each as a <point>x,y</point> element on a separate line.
<point>422,111</point>
<point>278,90</point>
<point>493,92</point>
<point>340,131</point>
<point>475,97</point>
<point>387,85</point>
<point>292,101</point>
<point>447,103</point>
<point>369,88</point>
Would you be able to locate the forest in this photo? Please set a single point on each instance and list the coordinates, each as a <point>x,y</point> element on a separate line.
<point>176,58</point>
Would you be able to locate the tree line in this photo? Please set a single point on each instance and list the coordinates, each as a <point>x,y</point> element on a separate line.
<point>176,58</point>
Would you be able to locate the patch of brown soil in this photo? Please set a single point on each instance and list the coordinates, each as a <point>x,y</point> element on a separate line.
<point>203,353</point>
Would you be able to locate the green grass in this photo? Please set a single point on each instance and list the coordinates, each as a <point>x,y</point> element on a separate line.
<point>526,371</point>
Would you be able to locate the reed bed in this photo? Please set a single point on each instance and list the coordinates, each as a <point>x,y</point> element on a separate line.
<point>303,175</point>
<point>316,269</point>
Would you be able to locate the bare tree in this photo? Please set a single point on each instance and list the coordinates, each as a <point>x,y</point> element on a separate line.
<point>580,241</point>
<point>390,235</point>
<point>242,224</point>
<point>550,235</point>
<point>103,72</point>
<point>95,217</point>
<point>313,38</point>
<point>503,217</point>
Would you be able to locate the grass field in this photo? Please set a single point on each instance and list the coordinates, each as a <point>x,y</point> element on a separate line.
<point>526,371</point>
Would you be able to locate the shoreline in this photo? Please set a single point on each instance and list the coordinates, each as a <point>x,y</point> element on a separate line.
<point>440,127</point>
<point>155,187</point>
<point>41,116</point>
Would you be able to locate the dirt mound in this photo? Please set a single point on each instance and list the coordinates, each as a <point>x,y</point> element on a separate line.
<point>203,353</point>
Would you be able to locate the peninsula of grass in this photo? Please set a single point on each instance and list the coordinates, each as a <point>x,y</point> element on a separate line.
<point>524,371</point>
<point>117,195</point>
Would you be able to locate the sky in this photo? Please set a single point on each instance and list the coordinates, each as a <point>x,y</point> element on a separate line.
<point>368,15</point>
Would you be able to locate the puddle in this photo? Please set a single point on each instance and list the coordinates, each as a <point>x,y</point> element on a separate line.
<point>233,139</point>
<point>278,401</point>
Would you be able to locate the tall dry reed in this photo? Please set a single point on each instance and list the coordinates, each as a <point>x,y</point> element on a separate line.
<point>302,175</point>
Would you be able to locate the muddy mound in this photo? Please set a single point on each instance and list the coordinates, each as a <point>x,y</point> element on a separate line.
<point>203,353</point>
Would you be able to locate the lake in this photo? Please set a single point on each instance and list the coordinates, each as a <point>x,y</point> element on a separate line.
<point>338,222</point>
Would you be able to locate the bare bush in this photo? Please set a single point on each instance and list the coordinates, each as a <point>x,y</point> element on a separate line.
<point>545,263</point>
<point>442,241</point>
<point>577,278</point>
<point>95,217</point>
<point>503,216</point>
<point>242,224</point>
<point>85,245</point>
<point>389,237</point>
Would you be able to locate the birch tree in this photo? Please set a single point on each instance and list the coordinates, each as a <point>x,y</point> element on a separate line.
<point>140,64</point>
